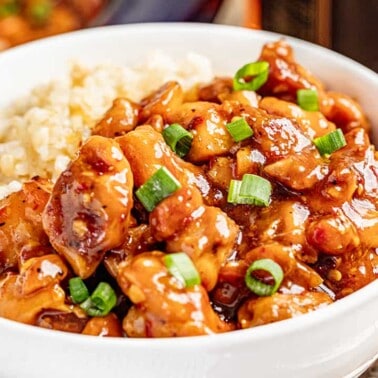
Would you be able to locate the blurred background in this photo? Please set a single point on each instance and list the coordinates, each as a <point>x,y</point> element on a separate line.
<point>347,26</point>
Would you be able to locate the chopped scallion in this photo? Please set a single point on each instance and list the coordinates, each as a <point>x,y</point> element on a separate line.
<point>9,8</point>
<point>239,129</point>
<point>308,99</point>
<point>101,302</point>
<point>331,142</point>
<point>251,190</point>
<point>159,186</point>
<point>78,290</point>
<point>40,12</point>
<point>179,139</point>
<point>258,287</point>
<point>181,266</point>
<point>251,76</point>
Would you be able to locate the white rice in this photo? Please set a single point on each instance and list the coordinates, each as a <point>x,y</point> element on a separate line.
<point>39,134</point>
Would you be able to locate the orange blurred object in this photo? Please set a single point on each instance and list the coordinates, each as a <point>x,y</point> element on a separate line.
<point>25,20</point>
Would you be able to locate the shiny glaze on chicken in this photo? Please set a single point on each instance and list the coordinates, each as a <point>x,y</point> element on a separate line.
<point>321,225</point>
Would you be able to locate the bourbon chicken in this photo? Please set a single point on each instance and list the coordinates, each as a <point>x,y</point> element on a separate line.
<point>254,202</point>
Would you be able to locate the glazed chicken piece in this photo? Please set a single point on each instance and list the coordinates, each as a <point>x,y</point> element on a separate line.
<point>295,271</point>
<point>345,112</point>
<point>118,120</point>
<point>312,124</point>
<point>207,123</point>
<point>216,90</point>
<point>290,157</point>
<point>286,76</point>
<point>36,288</point>
<point>21,232</point>
<point>161,102</point>
<point>139,239</point>
<point>163,307</point>
<point>106,326</point>
<point>352,187</point>
<point>88,213</point>
<point>264,310</point>
<point>73,322</point>
<point>285,222</point>
<point>214,232</point>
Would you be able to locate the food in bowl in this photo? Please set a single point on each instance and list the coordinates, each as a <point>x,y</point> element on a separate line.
<point>236,203</point>
<point>25,20</point>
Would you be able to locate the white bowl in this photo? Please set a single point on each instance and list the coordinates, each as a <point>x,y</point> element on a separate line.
<point>337,341</point>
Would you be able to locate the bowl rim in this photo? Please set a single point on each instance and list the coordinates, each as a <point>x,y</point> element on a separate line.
<point>273,330</point>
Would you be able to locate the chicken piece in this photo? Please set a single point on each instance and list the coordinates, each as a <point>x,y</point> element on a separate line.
<point>212,244</point>
<point>21,232</point>
<point>73,322</point>
<point>88,213</point>
<point>107,326</point>
<point>215,90</point>
<point>294,271</point>
<point>285,222</point>
<point>220,172</point>
<point>333,234</point>
<point>364,216</point>
<point>264,310</point>
<point>163,307</point>
<point>248,160</point>
<point>286,76</point>
<point>209,239</point>
<point>353,172</point>
<point>291,158</point>
<point>139,239</point>
<point>354,271</point>
<point>163,101</point>
<point>244,97</point>
<point>24,296</point>
<point>207,123</point>
<point>118,120</point>
<point>345,112</point>
<point>312,124</point>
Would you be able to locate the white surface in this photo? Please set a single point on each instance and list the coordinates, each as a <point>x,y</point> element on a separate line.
<point>331,342</point>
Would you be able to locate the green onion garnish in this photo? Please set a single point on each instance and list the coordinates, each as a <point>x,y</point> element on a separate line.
<point>251,76</point>
<point>181,266</point>
<point>159,186</point>
<point>308,99</point>
<point>78,290</point>
<point>101,302</point>
<point>331,142</point>
<point>179,139</point>
<point>260,288</point>
<point>9,8</point>
<point>40,12</point>
<point>251,190</point>
<point>239,129</point>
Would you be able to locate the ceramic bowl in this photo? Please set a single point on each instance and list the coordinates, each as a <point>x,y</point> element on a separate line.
<point>338,341</point>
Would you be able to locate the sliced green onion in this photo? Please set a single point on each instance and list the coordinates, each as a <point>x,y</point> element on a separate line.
<point>239,129</point>
<point>233,192</point>
<point>308,99</point>
<point>179,139</point>
<point>251,190</point>
<point>40,12</point>
<point>101,302</point>
<point>159,186</point>
<point>78,290</point>
<point>331,142</point>
<point>9,8</point>
<point>181,266</point>
<point>260,288</point>
<point>251,76</point>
